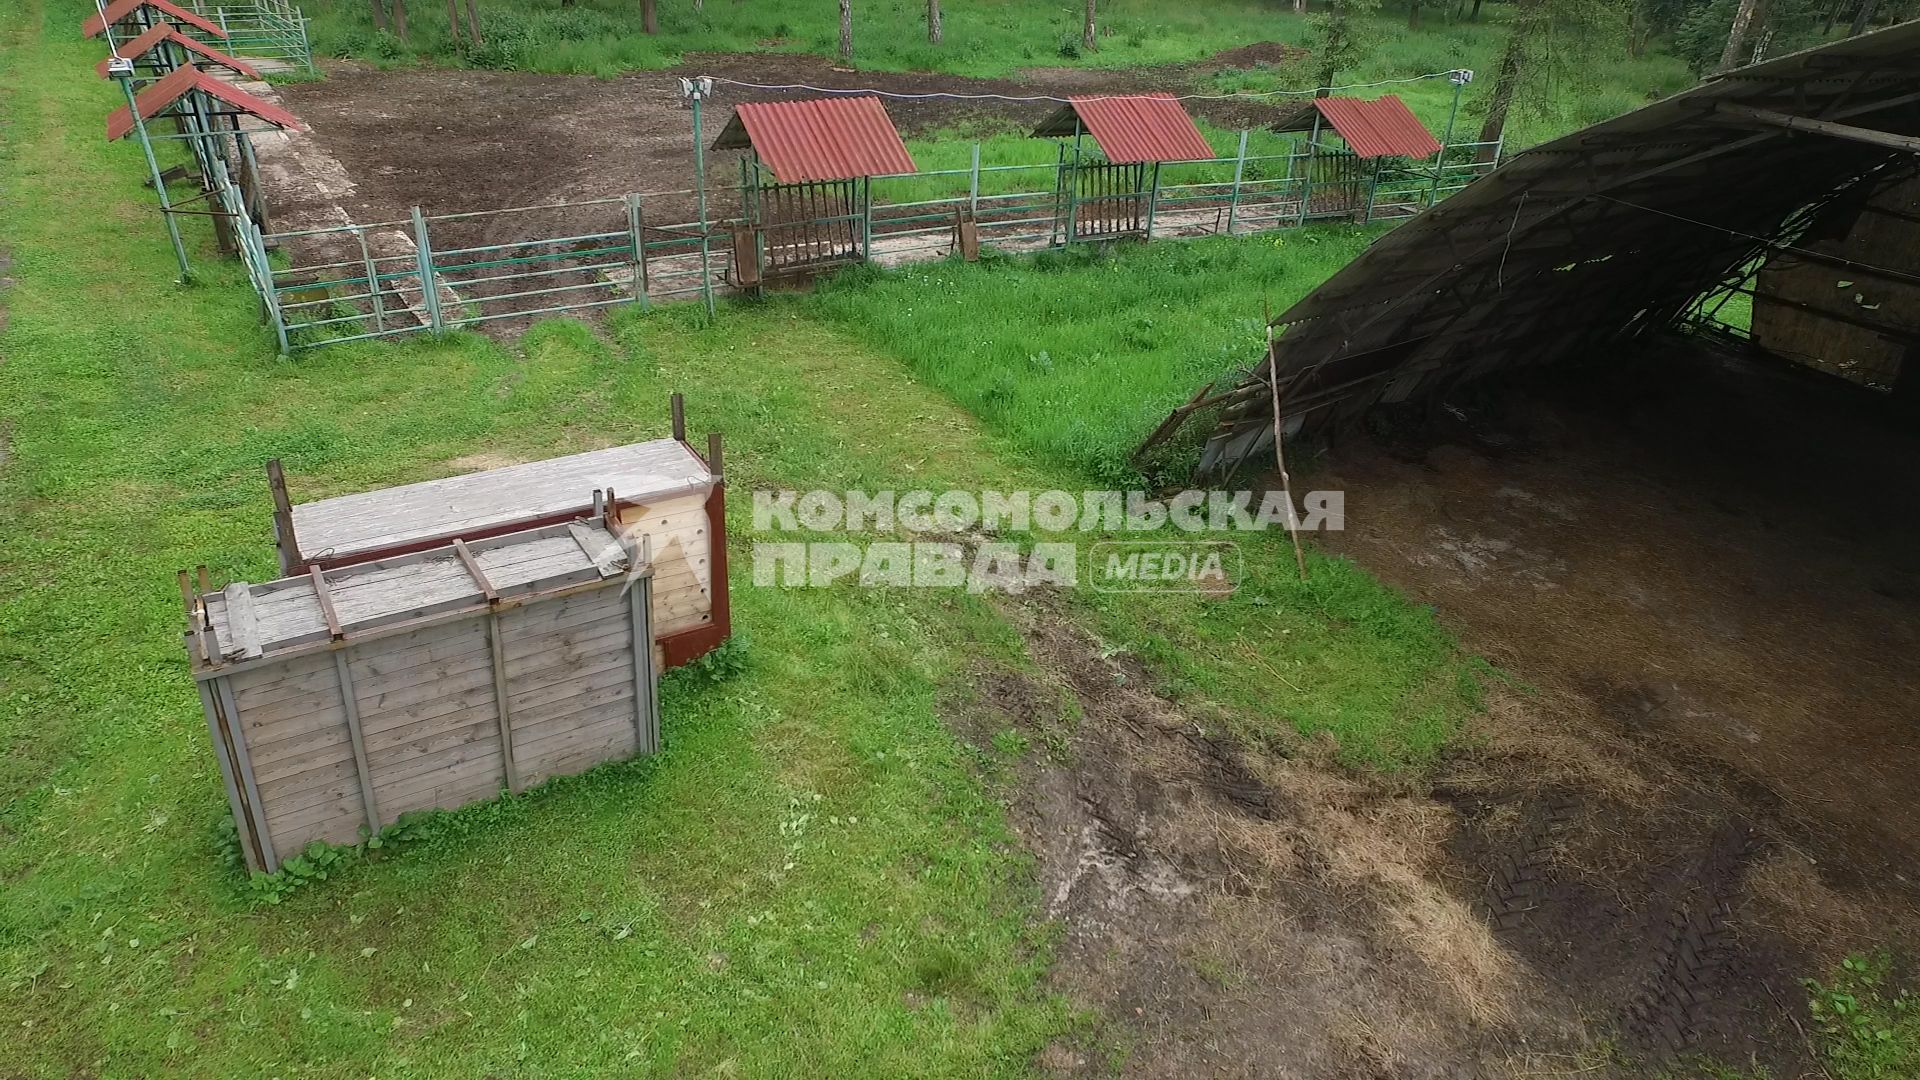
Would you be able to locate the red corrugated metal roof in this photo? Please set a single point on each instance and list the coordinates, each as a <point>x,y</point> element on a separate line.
<point>172,12</point>
<point>164,92</point>
<point>824,139</point>
<point>1133,128</point>
<point>151,39</point>
<point>1383,127</point>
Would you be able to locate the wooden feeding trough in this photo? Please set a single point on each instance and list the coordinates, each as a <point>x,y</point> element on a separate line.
<point>1113,194</point>
<point>338,701</point>
<point>662,491</point>
<point>1352,145</point>
<point>807,182</point>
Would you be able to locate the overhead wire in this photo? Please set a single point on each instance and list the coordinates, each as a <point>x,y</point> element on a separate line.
<point>1031,98</point>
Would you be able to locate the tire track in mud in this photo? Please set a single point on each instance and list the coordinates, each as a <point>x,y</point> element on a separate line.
<point>1664,1020</point>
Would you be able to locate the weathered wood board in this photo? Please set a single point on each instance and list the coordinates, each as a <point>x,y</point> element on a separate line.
<point>340,700</point>
<point>663,492</point>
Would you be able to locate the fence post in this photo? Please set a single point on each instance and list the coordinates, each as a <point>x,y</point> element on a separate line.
<point>1306,187</point>
<point>423,255</point>
<point>1239,170</point>
<point>973,184</point>
<point>1373,186</point>
<point>373,282</point>
<point>636,228</point>
<point>1153,199</point>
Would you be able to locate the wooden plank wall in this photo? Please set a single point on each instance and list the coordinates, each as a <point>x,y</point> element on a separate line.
<point>679,533</point>
<point>427,708</point>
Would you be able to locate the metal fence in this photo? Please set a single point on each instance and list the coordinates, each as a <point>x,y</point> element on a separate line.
<point>271,30</point>
<point>437,272</point>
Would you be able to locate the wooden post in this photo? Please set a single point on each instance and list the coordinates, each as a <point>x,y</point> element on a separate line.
<point>498,650</point>
<point>677,407</point>
<point>351,708</point>
<point>230,719</point>
<point>636,228</point>
<point>1279,458</point>
<point>284,540</point>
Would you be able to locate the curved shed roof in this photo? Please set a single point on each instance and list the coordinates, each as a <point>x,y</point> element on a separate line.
<point>1595,237</point>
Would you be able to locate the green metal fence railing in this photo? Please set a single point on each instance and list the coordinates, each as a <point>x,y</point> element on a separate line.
<point>273,30</point>
<point>433,273</point>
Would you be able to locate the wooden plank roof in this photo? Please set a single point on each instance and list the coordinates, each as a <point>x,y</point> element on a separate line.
<point>168,11</point>
<point>477,503</point>
<point>839,138</point>
<point>1585,241</point>
<point>164,33</point>
<point>1132,128</point>
<point>162,92</point>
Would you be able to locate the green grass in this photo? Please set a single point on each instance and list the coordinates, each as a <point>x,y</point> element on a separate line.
<point>1077,355</point>
<point>813,879</point>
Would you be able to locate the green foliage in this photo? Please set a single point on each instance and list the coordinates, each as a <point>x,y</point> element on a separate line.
<point>727,661</point>
<point>1343,35</point>
<point>1869,1027</point>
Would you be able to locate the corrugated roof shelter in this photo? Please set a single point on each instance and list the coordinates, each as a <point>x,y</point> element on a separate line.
<point>157,12</point>
<point>1382,127</point>
<point>162,93</point>
<point>1131,129</point>
<point>840,138</point>
<point>164,34</point>
<point>1579,245</point>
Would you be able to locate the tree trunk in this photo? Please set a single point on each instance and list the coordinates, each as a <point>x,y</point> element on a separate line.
<point>846,30</point>
<point>1299,7</point>
<point>473,24</point>
<point>400,19</point>
<point>453,22</point>
<point>933,21</point>
<point>1862,17</point>
<point>379,13</point>
<point>649,16</point>
<point>1736,37</point>
<point>1413,15</point>
<point>1474,16</point>
<point>1089,35</point>
<point>1512,60</point>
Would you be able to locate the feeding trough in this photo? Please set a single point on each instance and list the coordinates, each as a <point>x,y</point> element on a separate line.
<point>807,182</point>
<point>1113,194</point>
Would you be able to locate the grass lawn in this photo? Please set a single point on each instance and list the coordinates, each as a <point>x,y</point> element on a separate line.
<point>812,879</point>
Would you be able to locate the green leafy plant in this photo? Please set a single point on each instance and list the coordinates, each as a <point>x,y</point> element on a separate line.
<point>1869,1028</point>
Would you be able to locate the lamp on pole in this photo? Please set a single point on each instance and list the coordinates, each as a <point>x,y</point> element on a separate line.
<point>1459,77</point>
<point>696,91</point>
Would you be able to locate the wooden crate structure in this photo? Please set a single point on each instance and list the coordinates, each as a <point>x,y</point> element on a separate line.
<point>663,490</point>
<point>340,700</point>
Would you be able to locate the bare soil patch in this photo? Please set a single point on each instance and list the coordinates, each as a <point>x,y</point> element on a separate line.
<point>455,140</point>
<point>1598,884</point>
